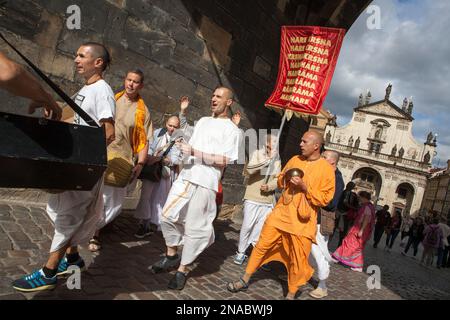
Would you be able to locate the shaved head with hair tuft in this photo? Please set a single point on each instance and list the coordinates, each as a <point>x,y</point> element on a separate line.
<point>99,51</point>
<point>228,91</point>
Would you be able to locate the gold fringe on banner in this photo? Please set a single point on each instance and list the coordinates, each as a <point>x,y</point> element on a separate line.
<point>291,113</point>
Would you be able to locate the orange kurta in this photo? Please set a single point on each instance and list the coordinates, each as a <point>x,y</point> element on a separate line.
<point>300,216</point>
<point>290,229</point>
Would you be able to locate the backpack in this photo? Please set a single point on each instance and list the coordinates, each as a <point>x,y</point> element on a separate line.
<point>432,238</point>
<point>349,200</point>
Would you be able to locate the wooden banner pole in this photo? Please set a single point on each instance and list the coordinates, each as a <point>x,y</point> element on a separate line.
<point>272,161</point>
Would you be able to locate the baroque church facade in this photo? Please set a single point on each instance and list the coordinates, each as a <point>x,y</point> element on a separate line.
<point>379,153</point>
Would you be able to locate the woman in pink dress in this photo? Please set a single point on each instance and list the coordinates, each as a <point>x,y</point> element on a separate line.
<point>350,253</point>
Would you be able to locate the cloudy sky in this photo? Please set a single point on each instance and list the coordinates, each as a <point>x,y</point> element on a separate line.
<point>411,50</point>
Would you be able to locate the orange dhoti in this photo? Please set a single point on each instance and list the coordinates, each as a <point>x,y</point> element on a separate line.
<point>289,249</point>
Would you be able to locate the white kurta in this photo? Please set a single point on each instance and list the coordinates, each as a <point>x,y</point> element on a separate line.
<point>321,255</point>
<point>255,215</point>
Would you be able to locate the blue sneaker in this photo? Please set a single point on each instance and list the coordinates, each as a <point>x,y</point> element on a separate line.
<point>239,258</point>
<point>64,266</point>
<point>35,281</point>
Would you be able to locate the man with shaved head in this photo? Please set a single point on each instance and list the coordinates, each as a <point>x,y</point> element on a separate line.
<point>319,250</point>
<point>98,52</point>
<point>76,213</point>
<point>332,157</point>
<point>154,194</point>
<point>290,229</point>
<point>190,209</point>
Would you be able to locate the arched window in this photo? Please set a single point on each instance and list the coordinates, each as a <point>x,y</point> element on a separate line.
<point>402,192</point>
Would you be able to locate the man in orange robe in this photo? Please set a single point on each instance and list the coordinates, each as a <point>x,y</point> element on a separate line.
<point>290,229</point>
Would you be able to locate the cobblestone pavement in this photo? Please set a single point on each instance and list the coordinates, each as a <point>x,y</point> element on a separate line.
<point>120,271</point>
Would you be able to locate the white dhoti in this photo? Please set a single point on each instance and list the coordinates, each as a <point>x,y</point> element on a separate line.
<point>75,215</point>
<point>113,198</point>
<point>153,198</point>
<point>255,215</point>
<point>187,219</point>
<point>321,255</point>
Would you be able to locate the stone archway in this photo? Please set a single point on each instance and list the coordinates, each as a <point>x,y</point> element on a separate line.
<point>405,193</point>
<point>370,180</point>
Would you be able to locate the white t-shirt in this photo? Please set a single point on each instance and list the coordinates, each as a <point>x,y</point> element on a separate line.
<point>218,136</point>
<point>97,100</point>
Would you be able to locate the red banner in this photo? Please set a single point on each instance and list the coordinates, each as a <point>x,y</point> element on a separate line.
<point>307,62</point>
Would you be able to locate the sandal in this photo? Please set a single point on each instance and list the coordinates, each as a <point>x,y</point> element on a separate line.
<point>231,286</point>
<point>94,245</point>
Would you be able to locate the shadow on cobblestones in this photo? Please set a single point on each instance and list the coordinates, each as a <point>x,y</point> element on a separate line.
<point>120,270</point>
<point>120,267</point>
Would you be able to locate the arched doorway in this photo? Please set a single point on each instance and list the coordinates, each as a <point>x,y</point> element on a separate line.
<point>404,198</point>
<point>368,179</point>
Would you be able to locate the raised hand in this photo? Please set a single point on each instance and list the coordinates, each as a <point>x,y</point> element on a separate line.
<point>236,118</point>
<point>184,103</point>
